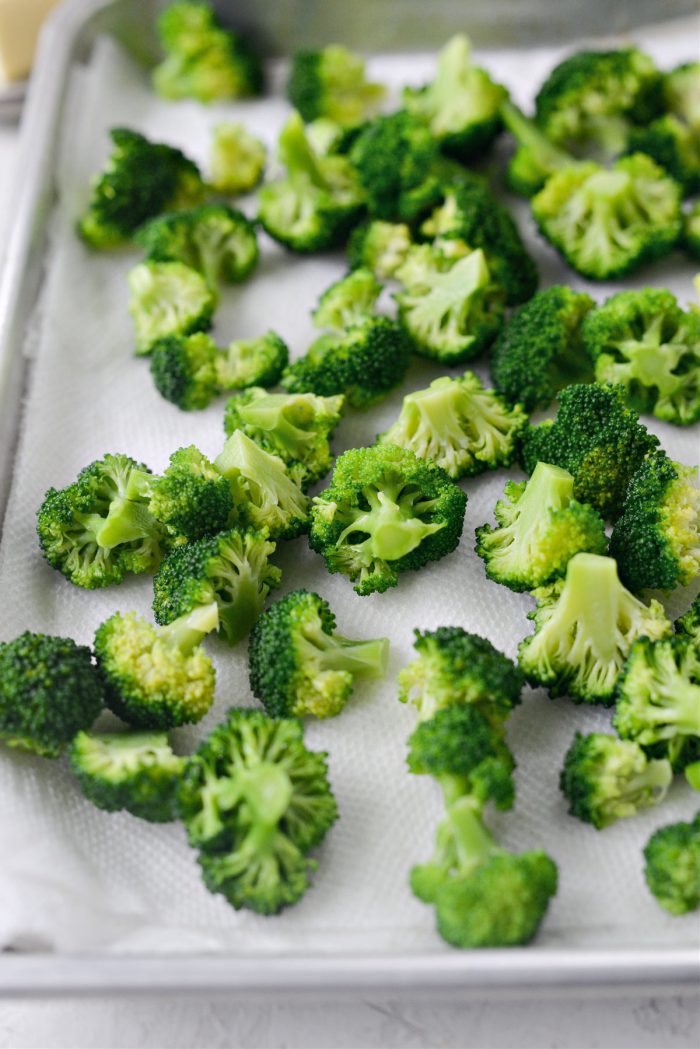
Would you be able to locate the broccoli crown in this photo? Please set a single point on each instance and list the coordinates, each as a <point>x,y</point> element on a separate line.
<point>385,512</point>
<point>379,246</point>
<point>450,305</point>
<point>142,179</point>
<point>688,625</point>
<point>348,301</point>
<point>691,230</point>
<point>539,528</point>
<point>607,223</point>
<point>264,494</point>
<point>49,690</point>
<point>255,800</point>
<point>585,626</point>
<point>605,779</point>
<point>462,427</point>
<point>681,89</point>
<point>191,499</point>
<point>299,665</point>
<point>294,426</point>
<point>364,363</point>
<point>536,157</point>
<point>674,146</point>
<point>540,349</point>
<point>331,83</point>
<point>658,699</point>
<point>455,667</point>
<point>672,866</point>
<point>183,370</point>
<point>252,362</point>
<point>168,298</point>
<point>136,771</point>
<point>230,569</point>
<point>645,342</point>
<point>592,97</point>
<point>656,540</point>
<point>236,159</point>
<point>157,678</point>
<point>461,106</point>
<point>99,528</point>
<point>597,439</point>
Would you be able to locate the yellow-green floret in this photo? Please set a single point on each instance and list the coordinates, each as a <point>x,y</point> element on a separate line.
<point>347,301</point>
<point>672,866</point>
<point>330,83</point>
<point>379,246</point>
<point>167,298</point>
<point>236,159</point>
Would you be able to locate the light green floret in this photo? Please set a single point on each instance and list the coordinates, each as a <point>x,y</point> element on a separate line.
<point>348,301</point>
<point>330,83</point>
<point>380,246</point>
<point>691,230</point>
<point>136,771</point>
<point>540,527</point>
<point>236,159</point>
<point>672,868</point>
<point>167,298</point>
<point>251,362</point>
<point>681,88</point>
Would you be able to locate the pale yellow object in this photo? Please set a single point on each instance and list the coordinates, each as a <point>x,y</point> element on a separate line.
<point>20,22</point>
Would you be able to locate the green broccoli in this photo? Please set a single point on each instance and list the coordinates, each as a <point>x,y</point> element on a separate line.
<point>645,342</point>
<point>168,298</point>
<point>540,527</point>
<point>330,83</point>
<point>379,246</point>
<point>300,666</point>
<point>252,362</point>
<point>294,426</point>
<point>585,626</point>
<point>255,800</point>
<point>142,179</point>
<point>99,527</point>
<point>49,690</point>
<point>673,146</point>
<point>681,90</point>
<point>157,678</point>
<point>462,427</point>
<point>136,771</point>
<point>347,301</point>
<point>536,157</point>
<point>605,779</point>
<point>385,512</point>
<point>540,350</point>
<point>691,230</point>
<point>597,439</point>
<point>236,159</point>
<point>230,571</point>
<point>672,867</point>
<point>688,625</point>
<point>191,499</point>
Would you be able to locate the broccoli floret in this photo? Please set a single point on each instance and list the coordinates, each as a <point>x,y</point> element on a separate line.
<point>688,625</point>
<point>252,362</point>
<point>658,699</point>
<point>316,204</point>
<point>236,159</point>
<point>536,157</point>
<point>49,690</point>
<point>347,301</point>
<point>230,570</point>
<point>168,298</point>
<point>540,527</point>
<point>656,540</point>
<point>681,89</point>
<point>691,230</point>
<point>364,363</point>
<point>461,426</point>
<point>585,626</point>
<point>455,667</point>
<point>385,512</point>
<point>136,771</point>
<point>673,146</point>
<point>191,499</point>
<point>608,222</point>
<point>379,246</point>
<point>605,779</point>
<point>300,666</point>
<point>99,528</point>
<point>331,83</point>
<point>597,439</point>
<point>540,350</point>
<point>450,305</point>
<point>255,800</point>
<point>142,179</point>
<point>672,867</point>
<point>294,426</point>
<point>461,106</point>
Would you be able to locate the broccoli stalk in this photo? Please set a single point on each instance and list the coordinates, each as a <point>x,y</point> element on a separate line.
<point>536,157</point>
<point>672,866</point>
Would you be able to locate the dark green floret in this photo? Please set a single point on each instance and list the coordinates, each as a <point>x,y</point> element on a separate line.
<point>385,512</point>
<point>135,771</point>
<point>691,230</point>
<point>536,156</point>
<point>236,159</point>
<point>300,666</point>
<point>379,246</point>
<point>688,625</point>
<point>348,301</point>
<point>49,690</point>
<point>331,83</point>
<point>167,298</point>
<point>673,146</point>
<point>681,89</point>
<point>191,498</point>
<point>672,868</point>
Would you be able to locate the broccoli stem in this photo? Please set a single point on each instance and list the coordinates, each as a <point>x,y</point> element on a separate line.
<point>334,652</point>
<point>187,632</point>
<point>634,791</point>
<point>297,155</point>
<point>268,414</point>
<point>392,524</point>
<point>549,488</point>
<point>676,703</point>
<point>473,842</point>
<point>126,522</point>
<point>593,600</point>
<point>548,156</point>
<point>268,791</point>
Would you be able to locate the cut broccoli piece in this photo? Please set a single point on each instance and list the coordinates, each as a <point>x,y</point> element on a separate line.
<point>330,83</point>
<point>688,625</point>
<point>167,298</point>
<point>607,223</point>
<point>136,771</point>
<point>585,626</point>
<point>540,527</point>
<point>379,246</point>
<point>142,179</point>
<point>672,867</point>
<point>191,499</point>
<point>300,666</point>
<point>673,146</point>
<point>294,426</point>
<point>597,439</point>
<point>347,301</point>
<point>236,159</point>
<point>385,512</point>
<point>536,157</point>
<point>691,231</point>
<point>540,350</point>
<point>461,426</point>
<point>230,570</point>
<point>49,690</point>
<point>252,362</point>
<point>605,779</point>
<point>681,89</point>
<point>99,528</point>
